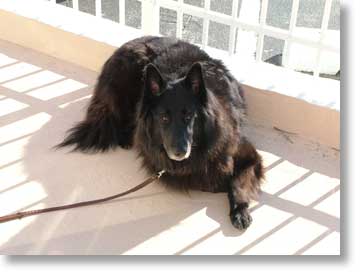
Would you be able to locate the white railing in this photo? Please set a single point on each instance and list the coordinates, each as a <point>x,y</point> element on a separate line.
<point>150,23</point>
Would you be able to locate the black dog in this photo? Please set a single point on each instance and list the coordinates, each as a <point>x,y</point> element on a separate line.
<point>182,110</point>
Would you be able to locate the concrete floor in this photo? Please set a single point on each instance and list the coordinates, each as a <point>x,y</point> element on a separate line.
<point>41,97</point>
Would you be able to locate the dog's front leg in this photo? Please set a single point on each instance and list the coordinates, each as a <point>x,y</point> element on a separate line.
<point>239,203</point>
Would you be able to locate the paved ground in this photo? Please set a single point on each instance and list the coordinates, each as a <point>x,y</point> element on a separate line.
<point>41,97</point>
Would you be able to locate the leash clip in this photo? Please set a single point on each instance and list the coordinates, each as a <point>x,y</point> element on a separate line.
<point>160,173</point>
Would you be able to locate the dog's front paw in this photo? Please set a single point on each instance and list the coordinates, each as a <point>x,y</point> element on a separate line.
<point>240,218</point>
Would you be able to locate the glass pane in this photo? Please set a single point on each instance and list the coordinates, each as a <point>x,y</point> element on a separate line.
<point>168,22</point>
<point>192,30</point>
<point>67,3</point>
<point>133,13</point>
<point>273,50</point>
<point>221,6</point>
<point>198,3</point>
<point>278,13</point>
<point>87,6</point>
<point>219,35</point>
<point>110,9</point>
<point>310,13</point>
<point>334,22</point>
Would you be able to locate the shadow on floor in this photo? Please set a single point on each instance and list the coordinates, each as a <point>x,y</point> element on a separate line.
<point>123,224</point>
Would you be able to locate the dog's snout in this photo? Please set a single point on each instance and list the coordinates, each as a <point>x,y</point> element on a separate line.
<point>180,151</point>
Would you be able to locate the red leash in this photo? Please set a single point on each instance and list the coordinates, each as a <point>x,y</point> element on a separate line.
<point>20,215</point>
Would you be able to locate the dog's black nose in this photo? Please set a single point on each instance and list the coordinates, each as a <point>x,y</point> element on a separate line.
<point>180,151</point>
<point>179,154</point>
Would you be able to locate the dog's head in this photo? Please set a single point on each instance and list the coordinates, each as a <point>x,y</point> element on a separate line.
<point>173,106</point>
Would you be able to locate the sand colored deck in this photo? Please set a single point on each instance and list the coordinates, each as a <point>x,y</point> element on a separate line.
<point>41,97</point>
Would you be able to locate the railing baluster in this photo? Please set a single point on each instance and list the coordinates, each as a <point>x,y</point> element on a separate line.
<point>150,22</point>
<point>264,29</point>
<point>98,9</point>
<point>324,27</point>
<point>233,27</point>
<point>206,21</point>
<point>260,41</point>
<point>287,45</point>
<point>75,4</point>
<point>150,17</point>
<point>179,19</point>
<point>122,12</point>
<point>156,17</point>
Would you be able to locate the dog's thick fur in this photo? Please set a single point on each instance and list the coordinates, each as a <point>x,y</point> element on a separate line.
<point>122,113</point>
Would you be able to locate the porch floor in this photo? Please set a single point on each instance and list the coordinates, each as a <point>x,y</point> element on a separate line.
<point>41,97</point>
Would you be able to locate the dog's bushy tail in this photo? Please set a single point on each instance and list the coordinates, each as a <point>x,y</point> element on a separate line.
<point>99,132</point>
<point>89,137</point>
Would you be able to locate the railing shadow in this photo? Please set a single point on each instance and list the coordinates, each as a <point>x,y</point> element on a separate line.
<point>122,225</point>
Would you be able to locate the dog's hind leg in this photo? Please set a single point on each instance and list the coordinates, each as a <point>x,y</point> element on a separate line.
<point>244,184</point>
<point>110,118</point>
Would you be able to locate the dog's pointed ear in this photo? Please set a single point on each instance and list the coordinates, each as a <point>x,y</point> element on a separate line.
<point>194,79</point>
<point>154,82</point>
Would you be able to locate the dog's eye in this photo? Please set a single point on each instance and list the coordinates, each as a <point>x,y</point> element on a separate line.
<point>165,118</point>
